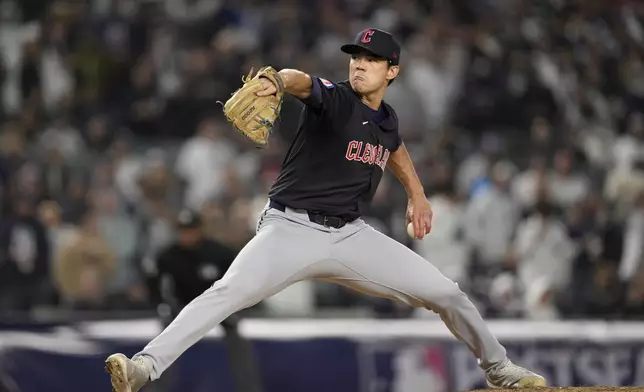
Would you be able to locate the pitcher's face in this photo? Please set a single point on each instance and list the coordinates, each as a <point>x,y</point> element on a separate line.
<point>368,73</point>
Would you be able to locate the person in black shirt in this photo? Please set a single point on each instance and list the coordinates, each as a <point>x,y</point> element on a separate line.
<point>311,227</point>
<point>25,258</point>
<point>190,265</point>
<point>185,270</point>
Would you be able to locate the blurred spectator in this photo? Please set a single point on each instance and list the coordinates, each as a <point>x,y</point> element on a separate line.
<point>435,71</point>
<point>491,218</point>
<point>84,266</point>
<point>128,167</point>
<point>64,138</point>
<point>58,232</point>
<point>215,220</point>
<point>446,247</point>
<point>542,140</point>
<point>13,36</point>
<point>628,150</point>
<point>3,78</point>
<point>530,183</point>
<point>30,79</point>
<point>633,246</point>
<point>472,169</point>
<point>541,301</point>
<point>543,253</point>
<point>625,181</point>
<point>622,188</point>
<point>159,187</point>
<point>73,202</point>
<point>506,297</point>
<point>25,258</point>
<point>55,172</point>
<point>119,230</point>
<point>57,81</point>
<point>143,101</point>
<point>13,148</point>
<point>93,66</point>
<point>602,294</point>
<point>98,135</point>
<point>566,186</point>
<point>202,162</point>
<point>633,308</point>
<point>238,233</point>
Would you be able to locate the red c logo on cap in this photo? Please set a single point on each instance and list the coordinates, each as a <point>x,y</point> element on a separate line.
<point>366,37</point>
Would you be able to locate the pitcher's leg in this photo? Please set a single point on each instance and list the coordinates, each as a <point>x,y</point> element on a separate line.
<point>377,263</point>
<point>267,264</point>
<point>384,267</point>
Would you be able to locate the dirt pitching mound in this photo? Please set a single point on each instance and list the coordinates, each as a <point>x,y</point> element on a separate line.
<point>569,389</point>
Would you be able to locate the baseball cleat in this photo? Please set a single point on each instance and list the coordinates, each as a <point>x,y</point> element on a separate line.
<point>505,374</point>
<point>127,375</point>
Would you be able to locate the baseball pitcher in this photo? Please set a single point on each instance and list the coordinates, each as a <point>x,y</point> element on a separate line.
<point>311,227</point>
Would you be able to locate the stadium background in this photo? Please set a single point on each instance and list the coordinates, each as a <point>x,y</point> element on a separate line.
<point>523,117</point>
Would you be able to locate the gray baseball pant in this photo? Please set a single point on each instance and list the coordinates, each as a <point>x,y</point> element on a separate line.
<point>288,248</point>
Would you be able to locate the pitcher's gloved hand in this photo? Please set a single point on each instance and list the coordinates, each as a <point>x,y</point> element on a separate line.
<point>253,109</point>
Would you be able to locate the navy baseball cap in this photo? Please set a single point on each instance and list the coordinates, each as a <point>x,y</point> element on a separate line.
<point>188,219</point>
<point>377,42</point>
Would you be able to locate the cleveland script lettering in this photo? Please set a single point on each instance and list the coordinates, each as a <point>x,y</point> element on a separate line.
<point>370,154</point>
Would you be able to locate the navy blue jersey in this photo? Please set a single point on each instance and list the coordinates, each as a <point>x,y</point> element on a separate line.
<point>339,153</point>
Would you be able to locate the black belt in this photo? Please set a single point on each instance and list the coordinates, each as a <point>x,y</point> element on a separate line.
<point>327,221</point>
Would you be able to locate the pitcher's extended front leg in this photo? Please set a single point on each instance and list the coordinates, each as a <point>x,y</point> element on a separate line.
<point>268,264</point>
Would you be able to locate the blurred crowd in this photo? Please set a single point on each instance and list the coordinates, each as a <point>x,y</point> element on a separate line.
<point>523,117</point>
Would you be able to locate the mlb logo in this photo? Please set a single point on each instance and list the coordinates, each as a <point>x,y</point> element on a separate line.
<point>326,83</point>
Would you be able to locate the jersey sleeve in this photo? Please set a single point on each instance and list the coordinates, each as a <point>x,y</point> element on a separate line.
<point>394,127</point>
<point>399,143</point>
<point>330,99</point>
